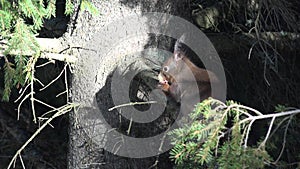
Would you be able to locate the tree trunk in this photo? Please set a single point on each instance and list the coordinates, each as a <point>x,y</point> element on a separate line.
<point>100,51</point>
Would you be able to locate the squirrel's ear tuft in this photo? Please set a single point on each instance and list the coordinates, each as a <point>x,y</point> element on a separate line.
<point>180,48</point>
<point>179,45</point>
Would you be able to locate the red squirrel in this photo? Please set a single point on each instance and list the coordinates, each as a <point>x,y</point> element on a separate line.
<point>183,80</point>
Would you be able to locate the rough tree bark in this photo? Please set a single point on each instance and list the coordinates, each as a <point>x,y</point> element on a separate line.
<point>90,85</point>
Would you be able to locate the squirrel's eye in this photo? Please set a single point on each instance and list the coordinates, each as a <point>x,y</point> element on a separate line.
<point>166,68</point>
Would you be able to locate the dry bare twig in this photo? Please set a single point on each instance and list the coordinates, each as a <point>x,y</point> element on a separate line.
<point>61,111</point>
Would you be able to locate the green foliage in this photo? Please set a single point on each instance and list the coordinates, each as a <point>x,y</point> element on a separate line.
<point>280,108</point>
<point>232,155</point>
<point>34,10</point>
<point>202,144</point>
<point>69,7</point>
<point>51,9</point>
<point>8,79</point>
<point>19,22</point>
<point>87,5</point>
